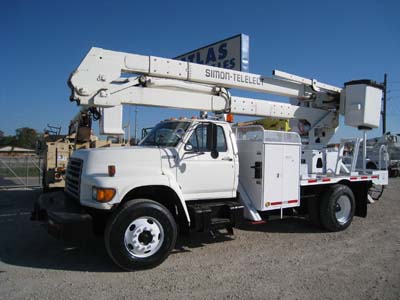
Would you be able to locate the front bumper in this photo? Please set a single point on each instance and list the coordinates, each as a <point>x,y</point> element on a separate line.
<point>62,216</point>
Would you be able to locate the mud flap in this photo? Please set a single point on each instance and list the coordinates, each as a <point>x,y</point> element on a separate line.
<point>360,191</point>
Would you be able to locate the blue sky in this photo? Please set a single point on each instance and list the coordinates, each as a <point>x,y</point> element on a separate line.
<point>42,42</point>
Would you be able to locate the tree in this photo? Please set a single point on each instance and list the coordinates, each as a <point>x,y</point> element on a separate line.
<point>26,137</point>
<point>6,140</point>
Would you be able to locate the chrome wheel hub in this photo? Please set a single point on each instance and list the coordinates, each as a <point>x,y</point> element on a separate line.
<point>343,209</point>
<point>143,237</point>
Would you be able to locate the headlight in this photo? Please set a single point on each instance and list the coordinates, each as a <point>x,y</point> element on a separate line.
<point>103,194</point>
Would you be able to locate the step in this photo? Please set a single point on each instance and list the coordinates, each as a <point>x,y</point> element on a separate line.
<point>208,215</point>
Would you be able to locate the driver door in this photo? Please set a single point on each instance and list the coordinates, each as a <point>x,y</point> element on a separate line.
<point>203,173</point>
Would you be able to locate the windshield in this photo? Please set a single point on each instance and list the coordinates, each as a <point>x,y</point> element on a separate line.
<point>165,134</point>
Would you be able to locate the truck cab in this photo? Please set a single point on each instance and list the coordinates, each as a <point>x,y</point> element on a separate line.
<point>183,174</point>
<point>196,159</point>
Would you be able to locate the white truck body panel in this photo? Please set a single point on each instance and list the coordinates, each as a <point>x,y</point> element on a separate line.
<point>135,167</point>
<point>249,153</point>
<point>276,184</point>
<point>282,168</point>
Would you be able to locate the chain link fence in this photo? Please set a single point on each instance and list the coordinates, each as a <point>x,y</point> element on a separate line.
<point>20,171</point>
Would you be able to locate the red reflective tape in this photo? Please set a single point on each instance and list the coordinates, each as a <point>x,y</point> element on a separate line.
<point>276,203</point>
<point>312,180</point>
<point>258,222</point>
<point>353,178</point>
<point>326,179</point>
<point>292,201</point>
<point>375,176</point>
<point>364,177</point>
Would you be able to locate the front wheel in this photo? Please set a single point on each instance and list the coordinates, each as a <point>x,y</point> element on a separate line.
<point>337,207</point>
<point>141,234</point>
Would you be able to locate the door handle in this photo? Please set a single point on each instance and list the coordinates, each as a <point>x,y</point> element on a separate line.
<point>227,158</point>
<point>257,169</point>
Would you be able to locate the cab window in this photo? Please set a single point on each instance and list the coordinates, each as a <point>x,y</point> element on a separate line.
<point>165,134</point>
<point>201,139</point>
<point>221,141</point>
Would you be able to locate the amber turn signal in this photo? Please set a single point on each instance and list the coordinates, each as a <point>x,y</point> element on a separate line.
<point>103,194</point>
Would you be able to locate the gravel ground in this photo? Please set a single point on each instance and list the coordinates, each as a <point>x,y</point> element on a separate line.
<point>283,259</point>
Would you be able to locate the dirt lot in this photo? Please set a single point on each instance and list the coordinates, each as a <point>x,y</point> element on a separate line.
<point>286,259</point>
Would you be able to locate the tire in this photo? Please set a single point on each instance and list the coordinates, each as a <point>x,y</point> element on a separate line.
<point>313,207</point>
<point>394,173</point>
<point>337,207</point>
<point>140,234</point>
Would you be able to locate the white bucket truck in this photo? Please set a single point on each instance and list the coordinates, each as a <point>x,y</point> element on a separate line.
<point>204,174</point>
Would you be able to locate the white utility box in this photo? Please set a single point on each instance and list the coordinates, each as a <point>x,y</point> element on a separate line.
<point>269,167</point>
<point>362,107</point>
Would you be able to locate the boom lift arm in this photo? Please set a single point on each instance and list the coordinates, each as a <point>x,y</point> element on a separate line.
<point>101,81</point>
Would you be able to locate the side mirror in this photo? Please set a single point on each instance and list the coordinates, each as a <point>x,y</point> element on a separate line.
<point>188,147</point>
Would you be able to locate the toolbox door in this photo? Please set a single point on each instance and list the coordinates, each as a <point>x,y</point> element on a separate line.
<point>273,177</point>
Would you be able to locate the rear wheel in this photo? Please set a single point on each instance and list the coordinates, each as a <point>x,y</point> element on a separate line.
<point>337,208</point>
<point>313,207</point>
<point>141,234</point>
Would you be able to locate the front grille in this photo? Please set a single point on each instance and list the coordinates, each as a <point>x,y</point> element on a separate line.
<point>73,177</point>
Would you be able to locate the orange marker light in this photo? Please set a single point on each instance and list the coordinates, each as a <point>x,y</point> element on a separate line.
<point>229,118</point>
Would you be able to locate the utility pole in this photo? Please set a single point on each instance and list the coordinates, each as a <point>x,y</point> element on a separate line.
<point>384,104</point>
